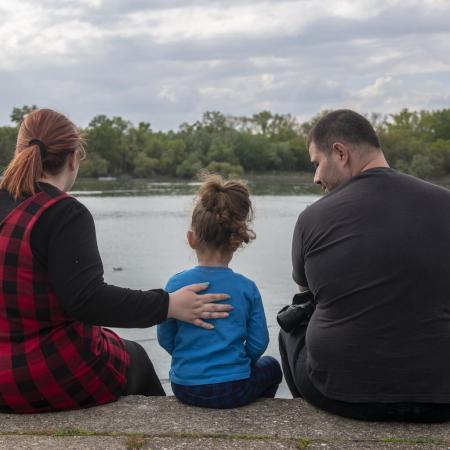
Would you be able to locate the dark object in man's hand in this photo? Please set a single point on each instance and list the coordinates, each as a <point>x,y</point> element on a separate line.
<point>301,309</point>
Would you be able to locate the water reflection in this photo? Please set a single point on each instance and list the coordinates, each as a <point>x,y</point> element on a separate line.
<point>260,185</point>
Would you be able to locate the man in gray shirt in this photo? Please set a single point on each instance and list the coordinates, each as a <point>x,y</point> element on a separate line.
<point>375,252</point>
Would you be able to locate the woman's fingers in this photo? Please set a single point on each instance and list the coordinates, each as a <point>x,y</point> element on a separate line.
<point>188,306</point>
<point>202,324</point>
<point>214,315</point>
<point>212,307</point>
<point>197,287</point>
<point>212,310</point>
<point>206,298</point>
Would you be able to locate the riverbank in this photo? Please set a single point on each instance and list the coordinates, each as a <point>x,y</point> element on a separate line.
<point>272,183</point>
<point>164,423</point>
<point>287,183</point>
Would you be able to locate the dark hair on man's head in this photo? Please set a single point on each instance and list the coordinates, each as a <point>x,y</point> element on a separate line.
<point>342,125</point>
<point>222,214</point>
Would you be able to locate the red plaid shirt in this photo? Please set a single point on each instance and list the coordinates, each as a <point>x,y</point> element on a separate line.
<point>48,361</point>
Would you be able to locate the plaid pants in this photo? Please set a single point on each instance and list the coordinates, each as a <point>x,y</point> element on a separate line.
<point>264,379</point>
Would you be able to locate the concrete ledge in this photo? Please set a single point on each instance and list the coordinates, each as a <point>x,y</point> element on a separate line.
<point>163,423</point>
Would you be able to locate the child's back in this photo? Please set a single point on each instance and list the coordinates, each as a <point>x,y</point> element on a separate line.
<point>225,353</point>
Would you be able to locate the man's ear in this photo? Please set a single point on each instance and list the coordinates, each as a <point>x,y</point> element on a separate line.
<point>192,240</point>
<point>341,152</point>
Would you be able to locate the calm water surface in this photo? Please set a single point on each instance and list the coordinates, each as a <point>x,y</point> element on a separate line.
<point>144,236</point>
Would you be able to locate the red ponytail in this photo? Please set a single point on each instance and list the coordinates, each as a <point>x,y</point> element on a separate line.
<point>22,172</point>
<point>58,135</point>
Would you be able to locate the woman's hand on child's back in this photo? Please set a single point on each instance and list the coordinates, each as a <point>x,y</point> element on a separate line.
<point>189,306</point>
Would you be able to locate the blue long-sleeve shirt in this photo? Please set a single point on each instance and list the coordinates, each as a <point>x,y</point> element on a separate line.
<point>225,353</point>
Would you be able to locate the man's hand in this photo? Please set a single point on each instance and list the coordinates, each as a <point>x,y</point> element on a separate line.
<point>189,306</point>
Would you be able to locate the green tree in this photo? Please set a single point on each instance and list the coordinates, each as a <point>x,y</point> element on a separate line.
<point>221,151</point>
<point>172,156</point>
<point>253,151</point>
<point>215,122</point>
<point>421,166</point>
<point>405,120</point>
<point>417,142</point>
<point>261,121</point>
<point>18,114</point>
<point>197,142</point>
<point>436,124</point>
<point>108,139</point>
<point>439,154</point>
<point>144,166</point>
<point>225,169</point>
<point>302,161</point>
<point>8,136</point>
<point>94,166</point>
<point>139,138</point>
<point>189,167</point>
<point>283,127</point>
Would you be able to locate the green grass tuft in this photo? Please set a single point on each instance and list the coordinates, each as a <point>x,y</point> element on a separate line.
<point>303,444</point>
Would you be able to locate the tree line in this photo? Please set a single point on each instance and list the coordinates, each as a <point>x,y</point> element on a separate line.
<point>415,142</point>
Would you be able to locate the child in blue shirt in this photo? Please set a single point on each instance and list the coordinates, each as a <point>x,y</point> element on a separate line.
<point>221,367</point>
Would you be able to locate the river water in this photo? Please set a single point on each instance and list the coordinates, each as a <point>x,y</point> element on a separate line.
<point>142,243</point>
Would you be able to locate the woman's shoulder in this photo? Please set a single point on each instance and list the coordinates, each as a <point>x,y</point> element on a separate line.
<point>65,212</point>
<point>7,203</point>
<point>63,209</point>
<point>68,216</point>
<point>66,208</point>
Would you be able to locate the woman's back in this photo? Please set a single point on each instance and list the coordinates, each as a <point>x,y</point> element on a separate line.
<point>49,360</point>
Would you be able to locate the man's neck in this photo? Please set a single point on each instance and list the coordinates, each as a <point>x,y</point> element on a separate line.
<point>376,160</point>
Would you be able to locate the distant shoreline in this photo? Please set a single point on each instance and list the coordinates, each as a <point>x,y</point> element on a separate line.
<point>288,183</point>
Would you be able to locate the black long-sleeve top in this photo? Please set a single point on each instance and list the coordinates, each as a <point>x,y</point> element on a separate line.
<point>63,242</point>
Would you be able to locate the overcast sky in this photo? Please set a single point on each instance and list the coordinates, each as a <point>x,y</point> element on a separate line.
<point>168,61</point>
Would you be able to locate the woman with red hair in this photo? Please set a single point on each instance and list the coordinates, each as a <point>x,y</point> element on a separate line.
<point>54,352</point>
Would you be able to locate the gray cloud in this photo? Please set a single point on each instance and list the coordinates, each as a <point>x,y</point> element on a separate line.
<point>106,57</point>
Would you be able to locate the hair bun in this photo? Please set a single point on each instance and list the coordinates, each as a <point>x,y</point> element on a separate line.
<point>211,193</point>
<point>223,212</point>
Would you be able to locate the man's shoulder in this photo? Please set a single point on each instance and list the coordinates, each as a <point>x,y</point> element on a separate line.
<point>426,185</point>
<point>370,191</point>
<point>348,196</point>
<point>317,207</point>
<point>408,186</point>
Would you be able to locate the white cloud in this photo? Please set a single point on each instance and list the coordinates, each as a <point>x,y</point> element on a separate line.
<point>168,93</point>
<point>215,21</point>
<point>379,88</point>
<point>167,61</point>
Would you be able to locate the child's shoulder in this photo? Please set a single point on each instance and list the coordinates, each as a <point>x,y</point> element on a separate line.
<point>183,278</point>
<point>246,285</point>
<point>243,279</point>
<point>197,275</point>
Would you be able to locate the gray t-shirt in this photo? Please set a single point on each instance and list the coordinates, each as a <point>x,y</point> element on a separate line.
<point>376,254</point>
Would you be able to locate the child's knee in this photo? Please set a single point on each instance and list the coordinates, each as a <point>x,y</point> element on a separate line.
<point>270,364</point>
